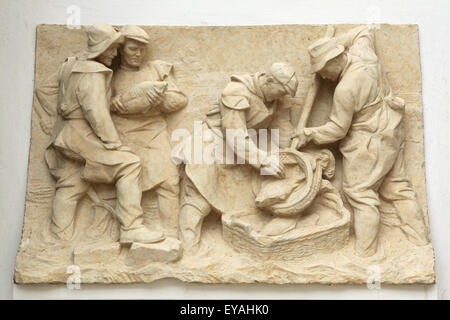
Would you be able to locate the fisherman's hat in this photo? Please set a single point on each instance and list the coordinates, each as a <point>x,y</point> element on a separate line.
<point>134,32</point>
<point>322,51</point>
<point>285,74</point>
<point>100,37</point>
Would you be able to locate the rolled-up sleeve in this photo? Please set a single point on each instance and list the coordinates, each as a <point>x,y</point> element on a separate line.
<point>239,139</point>
<point>340,118</point>
<point>282,122</point>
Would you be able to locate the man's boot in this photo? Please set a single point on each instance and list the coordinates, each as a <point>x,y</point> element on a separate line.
<point>140,234</point>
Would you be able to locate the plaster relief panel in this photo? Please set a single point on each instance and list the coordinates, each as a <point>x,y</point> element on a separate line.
<point>275,154</point>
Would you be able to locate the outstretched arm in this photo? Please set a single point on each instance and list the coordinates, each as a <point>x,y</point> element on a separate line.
<point>339,121</point>
<point>282,122</point>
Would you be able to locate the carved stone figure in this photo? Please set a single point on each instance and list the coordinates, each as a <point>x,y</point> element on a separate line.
<point>248,101</point>
<point>86,147</point>
<point>367,120</point>
<point>143,93</point>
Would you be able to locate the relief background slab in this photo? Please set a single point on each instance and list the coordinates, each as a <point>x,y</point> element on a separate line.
<point>204,58</point>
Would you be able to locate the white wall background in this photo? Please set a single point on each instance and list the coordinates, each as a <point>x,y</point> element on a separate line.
<point>18,20</point>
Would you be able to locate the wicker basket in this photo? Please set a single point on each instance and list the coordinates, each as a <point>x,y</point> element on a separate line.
<point>301,242</point>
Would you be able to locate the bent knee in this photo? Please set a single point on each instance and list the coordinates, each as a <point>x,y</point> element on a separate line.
<point>171,184</point>
<point>131,160</point>
<point>131,165</point>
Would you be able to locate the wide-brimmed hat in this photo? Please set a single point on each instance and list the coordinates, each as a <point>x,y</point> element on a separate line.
<point>131,31</point>
<point>285,74</point>
<point>322,51</point>
<point>100,37</point>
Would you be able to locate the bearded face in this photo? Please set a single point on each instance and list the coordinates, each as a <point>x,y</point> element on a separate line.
<point>333,68</point>
<point>108,56</point>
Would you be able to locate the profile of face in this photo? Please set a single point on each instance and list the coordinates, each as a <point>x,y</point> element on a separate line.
<point>132,53</point>
<point>108,56</point>
<point>333,68</point>
<point>272,89</point>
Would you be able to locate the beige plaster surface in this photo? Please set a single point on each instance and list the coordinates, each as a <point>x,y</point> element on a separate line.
<point>203,59</point>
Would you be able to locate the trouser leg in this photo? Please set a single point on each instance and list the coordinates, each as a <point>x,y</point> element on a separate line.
<point>366,161</point>
<point>129,194</point>
<point>194,209</point>
<point>366,220</point>
<point>149,205</point>
<point>70,189</point>
<point>397,189</point>
<point>412,223</point>
<point>168,193</point>
<point>128,209</point>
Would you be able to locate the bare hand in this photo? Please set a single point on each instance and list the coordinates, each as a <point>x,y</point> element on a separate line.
<point>117,106</point>
<point>124,148</point>
<point>299,140</point>
<point>117,146</point>
<point>112,145</point>
<point>271,165</point>
<point>46,125</point>
<point>155,96</point>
